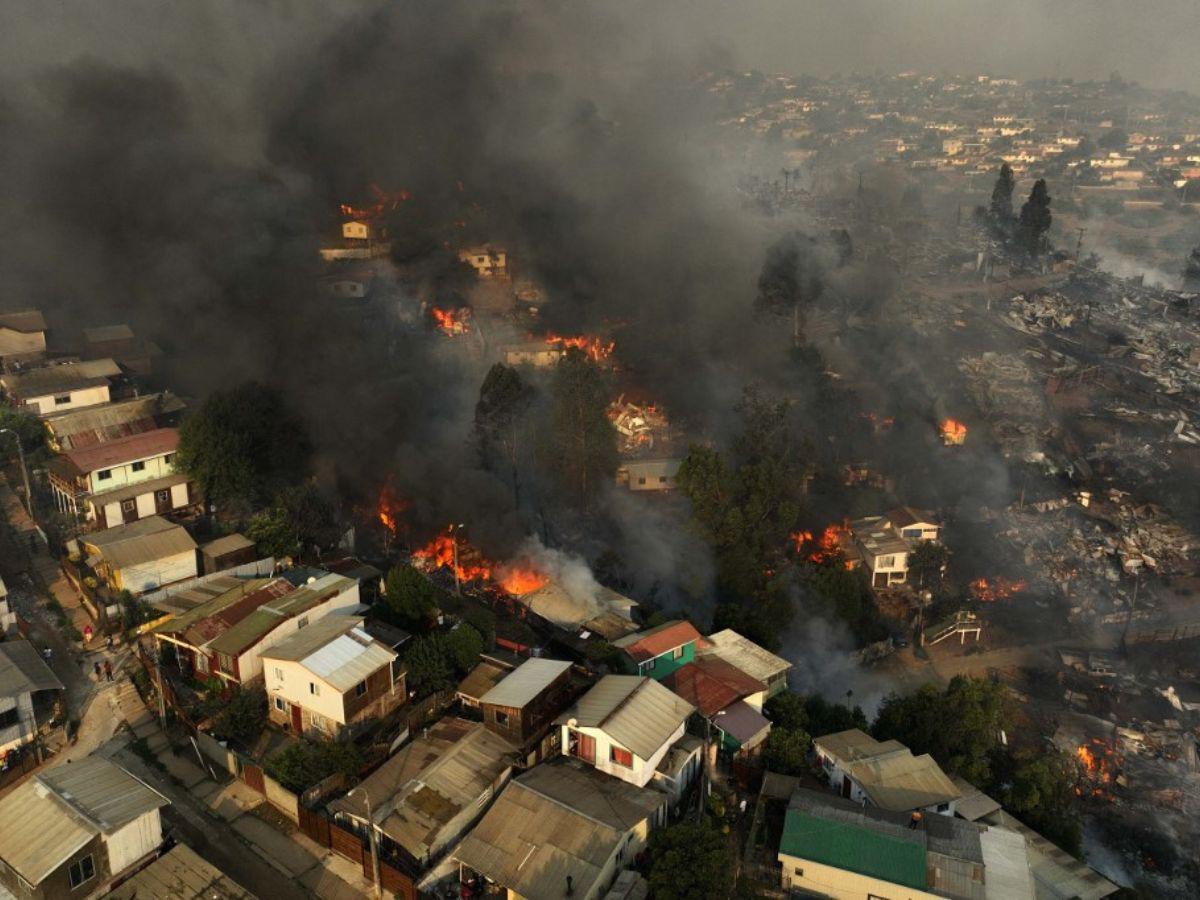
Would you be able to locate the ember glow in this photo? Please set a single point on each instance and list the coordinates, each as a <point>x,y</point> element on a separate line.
<point>1099,767</point>
<point>989,590</point>
<point>520,579</point>
<point>440,554</point>
<point>821,548</point>
<point>596,348</point>
<point>390,507</point>
<point>451,321</point>
<point>954,433</point>
<point>384,202</point>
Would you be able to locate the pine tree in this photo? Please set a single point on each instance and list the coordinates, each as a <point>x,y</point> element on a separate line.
<point>1035,219</point>
<point>1001,209</point>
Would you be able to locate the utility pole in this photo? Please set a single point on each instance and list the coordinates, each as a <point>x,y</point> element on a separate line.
<point>454,530</point>
<point>1079,242</point>
<point>24,473</point>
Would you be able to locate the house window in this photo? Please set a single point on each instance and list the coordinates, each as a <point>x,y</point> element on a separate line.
<point>278,673</point>
<point>128,506</point>
<point>317,721</point>
<point>677,653</point>
<point>301,622</point>
<point>798,872</point>
<point>201,662</point>
<point>81,871</point>
<point>226,662</point>
<point>104,475</point>
<point>645,667</point>
<point>885,562</point>
<point>279,704</point>
<point>10,717</point>
<point>911,533</point>
<point>621,757</point>
<point>162,498</point>
<point>641,481</point>
<point>943,807</point>
<point>501,718</point>
<point>139,466</point>
<point>360,689</point>
<point>169,458</point>
<point>314,689</point>
<point>662,479</point>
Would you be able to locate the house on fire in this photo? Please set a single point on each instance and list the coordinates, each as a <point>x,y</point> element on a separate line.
<point>61,386</point>
<point>75,830</point>
<point>30,695</point>
<point>624,726</point>
<point>123,480</point>
<point>22,335</point>
<point>141,556</point>
<point>431,790</point>
<point>659,651</point>
<point>884,544</point>
<point>884,774</point>
<point>561,829</point>
<point>332,678</point>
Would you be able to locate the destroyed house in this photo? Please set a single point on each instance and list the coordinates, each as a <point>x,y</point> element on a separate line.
<point>521,707</point>
<point>431,790</point>
<point>61,386</point>
<point>884,774</point>
<point>624,726</point>
<point>659,651</point>
<point>332,678</point>
<point>76,829</point>
<point>561,829</point>
<point>22,334</point>
<point>832,847</point>
<point>141,556</point>
<point>123,480</point>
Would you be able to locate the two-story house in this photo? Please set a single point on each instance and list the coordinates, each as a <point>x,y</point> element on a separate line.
<point>30,695</point>
<point>884,544</point>
<point>61,386</point>
<point>487,261</point>
<point>659,651</point>
<point>75,830</point>
<point>124,480</point>
<point>521,707</point>
<point>624,726</point>
<point>141,556</point>
<point>884,774</point>
<point>332,678</point>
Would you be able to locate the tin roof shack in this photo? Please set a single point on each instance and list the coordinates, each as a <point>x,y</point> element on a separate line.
<point>180,874</point>
<point>74,830</point>
<point>598,610</point>
<point>760,664</point>
<point>79,429</point>
<point>659,651</point>
<point>833,847</point>
<point>141,556</point>
<point>624,726</point>
<point>227,552</point>
<point>30,695</point>
<point>561,829</point>
<point>884,774</point>
<point>332,679</point>
<point>727,697</point>
<point>431,790</point>
<point>201,613</point>
<point>62,386</point>
<point>522,706</point>
<point>492,669</point>
<point>22,335</point>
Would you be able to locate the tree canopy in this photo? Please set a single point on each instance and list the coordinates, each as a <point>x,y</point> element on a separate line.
<point>1034,225</point>
<point>579,443</point>
<point>435,661</point>
<point>410,600</point>
<point>298,518</point>
<point>242,717</point>
<point>690,861</point>
<point>306,763</point>
<point>501,421</point>
<point>1001,208</point>
<point>243,445</point>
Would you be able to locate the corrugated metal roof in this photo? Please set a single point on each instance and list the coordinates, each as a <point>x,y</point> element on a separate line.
<point>1006,864</point>
<point>102,333</point>
<point>52,379</point>
<point>854,744</point>
<point>23,671</point>
<point>201,632</point>
<point>127,449</point>
<point>527,681</point>
<point>1056,873</point>
<point>743,723</point>
<point>266,618</point>
<point>58,811</point>
<point>853,848</point>
<point>481,679</point>
<point>138,542</point>
<point>742,652</point>
<point>557,820</point>
<point>336,650</point>
<point>974,804</point>
<point>636,712</point>
<point>204,599</point>
<point>710,684</point>
<point>899,781</point>
<point>106,415</point>
<point>644,645</point>
<point>230,543</point>
<point>180,874</point>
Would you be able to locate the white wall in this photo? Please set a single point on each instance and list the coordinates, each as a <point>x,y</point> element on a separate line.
<point>250,663</point>
<point>92,396</point>
<point>145,505</point>
<point>124,474</point>
<point>22,731</point>
<point>294,688</point>
<point>156,573</point>
<point>131,842</point>
<point>642,770</point>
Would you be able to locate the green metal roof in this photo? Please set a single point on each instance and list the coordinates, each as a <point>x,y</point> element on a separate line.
<point>854,849</point>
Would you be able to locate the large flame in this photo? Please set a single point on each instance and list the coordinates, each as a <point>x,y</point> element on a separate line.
<point>596,348</point>
<point>1099,766</point>
<point>823,548</point>
<point>953,432</point>
<point>451,321</point>
<point>519,579</point>
<point>440,554</point>
<point>390,507</point>
<point>999,588</point>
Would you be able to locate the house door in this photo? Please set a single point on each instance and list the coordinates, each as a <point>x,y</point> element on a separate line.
<point>845,787</point>
<point>583,746</point>
<point>297,722</point>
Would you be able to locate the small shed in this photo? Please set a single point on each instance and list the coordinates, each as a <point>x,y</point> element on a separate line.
<point>227,552</point>
<point>525,702</point>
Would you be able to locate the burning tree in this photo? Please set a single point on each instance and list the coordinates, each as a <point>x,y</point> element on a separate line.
<point>594,348</point>
<point>452,322</point>
<point>823,548</point>
<point>382,202</point>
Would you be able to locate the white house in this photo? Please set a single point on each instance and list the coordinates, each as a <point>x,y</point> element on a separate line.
<point>29,693</point>
<point>76,829</point>
<point>624,726</point>
<point>8,618</point>
<point>62,386</point>
<point>884,544</point>
<point>884,774</point>
<point>141,556</point>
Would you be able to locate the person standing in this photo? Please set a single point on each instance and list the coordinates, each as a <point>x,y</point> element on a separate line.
<point>108,670</point>
<point>97,667</point>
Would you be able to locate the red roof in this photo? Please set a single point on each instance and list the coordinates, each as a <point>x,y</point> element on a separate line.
<point>123,450</point>
<point>710,684</point>
<point>659,640</point>
<point>203,631</point>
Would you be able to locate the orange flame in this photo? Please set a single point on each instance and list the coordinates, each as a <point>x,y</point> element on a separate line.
<point>520,580</point>
<point>1100,765</point>
<point>953,432</point>
<point>451,321</point>
<point>596,348</point>
<point>440,553</point>
<point>390,506</point>
<point>999,588</point>
<point>822,549</point>
<point>384,202</point>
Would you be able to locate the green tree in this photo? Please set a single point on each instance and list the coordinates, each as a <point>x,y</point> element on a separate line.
<point>502,422</point>
<point>844,595</point>
<point>242,718</point>
<point>959,727</point>
<point>787,750</point>
<point>463,646</point>
<point>927,562</point>
<point>1040,789</point>
<point>1001,208</point>
<point>299,518</point>
<point>29,431</point>
<point>410,599</point>
<point>690,862</point>
<point>579,444</point>
<point>243,445</point>
<point>435,661</point>
<point>305,763</point>
<point>1034,224</point>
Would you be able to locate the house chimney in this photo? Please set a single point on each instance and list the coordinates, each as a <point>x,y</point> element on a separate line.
<point>570,886</point>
